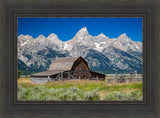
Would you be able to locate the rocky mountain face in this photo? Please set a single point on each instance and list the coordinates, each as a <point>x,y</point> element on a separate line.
<point>102,53</point>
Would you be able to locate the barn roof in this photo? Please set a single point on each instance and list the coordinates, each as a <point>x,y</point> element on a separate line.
<point>93,72</point>
<point>63,63</point>
<point>47,73</point>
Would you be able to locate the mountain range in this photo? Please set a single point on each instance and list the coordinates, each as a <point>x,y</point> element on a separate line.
<point>102,53</point>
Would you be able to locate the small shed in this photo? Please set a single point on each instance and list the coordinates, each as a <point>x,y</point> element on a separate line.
<point>66,69</point>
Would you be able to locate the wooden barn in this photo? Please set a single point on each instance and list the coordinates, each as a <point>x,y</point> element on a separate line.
<point>66,69</point>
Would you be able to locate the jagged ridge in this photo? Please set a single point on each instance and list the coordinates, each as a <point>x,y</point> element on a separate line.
<point>101,52</point>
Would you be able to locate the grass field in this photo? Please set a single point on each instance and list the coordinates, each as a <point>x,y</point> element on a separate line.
<point>79,90</point>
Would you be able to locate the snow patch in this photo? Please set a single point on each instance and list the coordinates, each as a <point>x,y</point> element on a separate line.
<point>98,48</point>
<point>103,42</point>
<point>67,47</point>
<point>24,43</point>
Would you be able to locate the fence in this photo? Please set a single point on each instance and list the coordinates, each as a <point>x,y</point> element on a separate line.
<point>123,78</point>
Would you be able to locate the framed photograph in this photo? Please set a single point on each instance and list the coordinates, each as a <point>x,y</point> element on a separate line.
<point>59,63</point>
<point>80,59</point>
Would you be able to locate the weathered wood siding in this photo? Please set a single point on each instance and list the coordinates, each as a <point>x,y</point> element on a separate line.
<point>81,70</point>
<point>97,76</point>
<point>66,69</point>
<point>40,80</point>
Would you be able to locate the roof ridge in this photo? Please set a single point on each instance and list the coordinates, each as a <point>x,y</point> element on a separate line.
<point>63,63</point>
<point>66,57</point>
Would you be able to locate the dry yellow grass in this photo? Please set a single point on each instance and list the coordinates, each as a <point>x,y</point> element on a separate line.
<point>24,80</point>
<point>74,82</point>
<point>123,83</point>
<point>66,83</point>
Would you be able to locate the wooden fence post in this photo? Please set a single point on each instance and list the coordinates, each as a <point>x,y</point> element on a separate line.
<point>61,76</point>
<point>68,75</point>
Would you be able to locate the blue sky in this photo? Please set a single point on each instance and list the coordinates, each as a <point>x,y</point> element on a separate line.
<point>66,28</point>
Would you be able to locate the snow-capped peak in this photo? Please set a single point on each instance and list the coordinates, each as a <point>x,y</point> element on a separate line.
<point>81,36</point>
<point>41,37</point>
<point>101,35</point>
<point>24,36</point>
<point>24,39</point>
<point>123,42</point>
<point>54,38</point>
<point>123,36</point>
<point>52,35</point>
<point>82,31</point>
<point>20,36</point>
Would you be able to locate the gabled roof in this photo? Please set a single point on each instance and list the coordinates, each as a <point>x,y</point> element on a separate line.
<point>47,73</point>
<point>59,65</point>
<point>63,63</point>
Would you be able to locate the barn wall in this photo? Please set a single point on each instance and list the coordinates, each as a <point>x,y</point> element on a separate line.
<point>81,66</point>
<point>81,70</point>
<point>40,80</point>
<point>97,76</point>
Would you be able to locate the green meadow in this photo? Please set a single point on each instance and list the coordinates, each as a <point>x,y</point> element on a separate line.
<point>79,90</point>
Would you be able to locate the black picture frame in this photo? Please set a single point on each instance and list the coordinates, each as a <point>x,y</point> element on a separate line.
<point>149,9</point>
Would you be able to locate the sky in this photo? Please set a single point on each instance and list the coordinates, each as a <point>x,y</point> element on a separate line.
<point>66,28</point>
